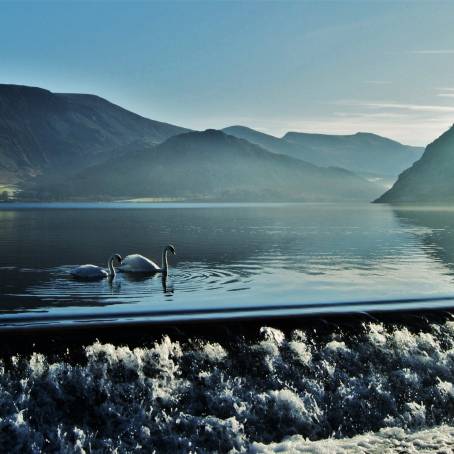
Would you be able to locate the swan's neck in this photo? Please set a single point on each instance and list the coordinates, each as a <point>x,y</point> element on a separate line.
<point>164,282</point>
<point>111,267</point>
<point>164,263</point>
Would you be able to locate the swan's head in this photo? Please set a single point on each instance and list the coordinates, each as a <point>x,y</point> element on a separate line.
<point>171,248</point>
<point>116,260</point>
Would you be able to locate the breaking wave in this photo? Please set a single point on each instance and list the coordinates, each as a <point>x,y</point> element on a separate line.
<point>386,441</point>
<point>274,393</point>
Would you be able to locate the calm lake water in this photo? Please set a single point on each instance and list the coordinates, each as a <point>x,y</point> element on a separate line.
<point>232,259</point>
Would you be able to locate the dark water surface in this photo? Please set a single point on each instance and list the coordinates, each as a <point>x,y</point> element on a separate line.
<point>232,259</point>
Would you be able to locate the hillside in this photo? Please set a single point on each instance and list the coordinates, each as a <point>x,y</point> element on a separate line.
<point>210,165</point>
<point>429,180</point>
<point>360,152</point>
<point>363,153</point>
<point>267,141</point>
<point>45,133</point>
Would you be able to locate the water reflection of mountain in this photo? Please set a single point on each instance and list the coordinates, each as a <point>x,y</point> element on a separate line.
<point>267,253</point>
<point>435,229</point>
<point>247,238</point>
<point>217,248</point>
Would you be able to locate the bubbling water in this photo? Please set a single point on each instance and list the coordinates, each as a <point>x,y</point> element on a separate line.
<point>205,396</point>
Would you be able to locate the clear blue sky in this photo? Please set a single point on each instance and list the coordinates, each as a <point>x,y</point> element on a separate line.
<point>334,67</point>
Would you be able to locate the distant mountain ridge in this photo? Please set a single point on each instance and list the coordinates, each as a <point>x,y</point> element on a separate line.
<point>364,153</point>
<point>45,132</point>
<point>48,138</point>
<point>430,179</point>
<point>211,165</point>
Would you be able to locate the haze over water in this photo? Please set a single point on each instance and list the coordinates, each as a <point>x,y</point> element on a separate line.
<point>228,256</point>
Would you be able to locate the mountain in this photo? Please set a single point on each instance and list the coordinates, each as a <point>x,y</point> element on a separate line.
<point>43,132</point>
<point>266,141</point>
<point>360,152</point>
<point>210,165</point>
<point>363,153</point>
<point>429,180</point>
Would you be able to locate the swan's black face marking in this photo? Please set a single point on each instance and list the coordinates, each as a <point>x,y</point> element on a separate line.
<point>119,258</point>
<point>171,249</point>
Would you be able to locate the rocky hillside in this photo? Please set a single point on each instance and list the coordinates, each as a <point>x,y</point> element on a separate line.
<point>429,180</point>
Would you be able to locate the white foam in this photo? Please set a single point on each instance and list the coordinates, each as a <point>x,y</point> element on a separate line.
<point>389,440</point>
<point>376,386</point>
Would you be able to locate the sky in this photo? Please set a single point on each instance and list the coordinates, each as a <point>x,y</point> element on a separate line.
<point>337,67</point>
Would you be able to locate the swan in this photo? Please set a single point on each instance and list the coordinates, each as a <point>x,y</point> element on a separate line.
<point>136,263</point>
<point>93,272</point>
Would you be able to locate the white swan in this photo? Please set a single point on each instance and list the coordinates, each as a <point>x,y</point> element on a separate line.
<point>93,272</point>
<point>137,263</point>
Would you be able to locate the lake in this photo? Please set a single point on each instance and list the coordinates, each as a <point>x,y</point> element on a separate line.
<point>233,260</point>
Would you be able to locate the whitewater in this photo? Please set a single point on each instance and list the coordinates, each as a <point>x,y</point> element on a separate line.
<point>374,387</point>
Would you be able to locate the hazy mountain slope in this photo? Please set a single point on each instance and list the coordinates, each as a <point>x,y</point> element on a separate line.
<point>429,180</point>
<point>211,165</point>
<point>268,141</point>
<point>361,152</point>
<point>42,131</point>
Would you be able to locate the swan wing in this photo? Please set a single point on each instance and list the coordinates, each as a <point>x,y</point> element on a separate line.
<point>89,272</point>
<point>136,263</point>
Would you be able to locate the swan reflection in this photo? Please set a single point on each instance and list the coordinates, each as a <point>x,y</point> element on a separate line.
<point>135,278</point>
